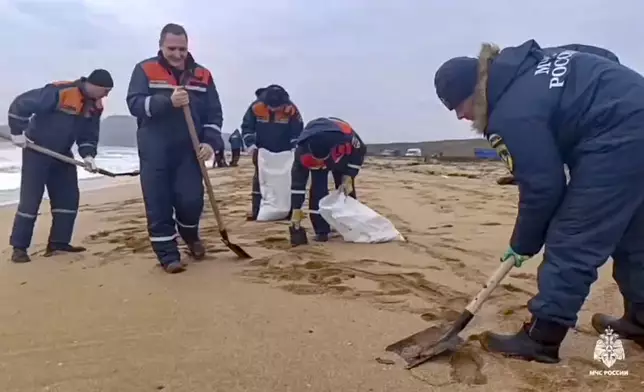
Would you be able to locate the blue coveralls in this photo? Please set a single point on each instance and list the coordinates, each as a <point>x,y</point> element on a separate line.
<point>344,155</point>
<point>275,131</point>
<point>55,117</point>
<point>553,107</point>
<point>171,179</point>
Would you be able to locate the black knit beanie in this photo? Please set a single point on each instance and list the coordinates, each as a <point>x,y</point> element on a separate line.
<point>101,78</point>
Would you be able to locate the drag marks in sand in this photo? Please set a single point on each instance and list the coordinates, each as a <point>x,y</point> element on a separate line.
<point>455,219</point>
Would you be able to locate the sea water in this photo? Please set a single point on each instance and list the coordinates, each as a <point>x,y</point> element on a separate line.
<point>113,159</point>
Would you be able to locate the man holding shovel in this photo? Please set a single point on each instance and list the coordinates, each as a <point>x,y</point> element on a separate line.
<point>54,117</point>
<point>171,178</point>
<point>541,109</point>
<point>326,144</point>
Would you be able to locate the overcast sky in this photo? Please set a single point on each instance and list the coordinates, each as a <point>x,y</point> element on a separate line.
<point>371,62</point>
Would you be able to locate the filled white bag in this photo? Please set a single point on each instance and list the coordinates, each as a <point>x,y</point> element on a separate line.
<point>274,184</point>
<point>355,221</point>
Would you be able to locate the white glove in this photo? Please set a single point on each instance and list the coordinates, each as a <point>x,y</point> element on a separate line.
<point>90,164</point>
<point>19,140</point>
<point>205,151</point>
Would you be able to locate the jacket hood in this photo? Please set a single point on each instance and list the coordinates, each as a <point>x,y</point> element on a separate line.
<point>497,70</point>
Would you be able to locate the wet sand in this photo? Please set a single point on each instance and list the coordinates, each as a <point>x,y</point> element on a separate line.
<point>312,318</point>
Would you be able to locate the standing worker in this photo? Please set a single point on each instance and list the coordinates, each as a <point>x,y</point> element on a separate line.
<point>236,146</point>
<point>327,144</point>
<point>271,122</point>
<point>542,109</point>
<point>171,178</point>
<point>54,117</point>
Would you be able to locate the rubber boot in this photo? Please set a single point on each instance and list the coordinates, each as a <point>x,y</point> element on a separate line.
<point>20,256</point>
<point>54,248</point>
<point>197,250</point>
<point>538,340</point>
<point>630,326</point>
<point>321,237</point>
<point>174,267</point>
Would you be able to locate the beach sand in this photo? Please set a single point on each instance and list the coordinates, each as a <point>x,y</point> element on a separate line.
<point>312,318</point>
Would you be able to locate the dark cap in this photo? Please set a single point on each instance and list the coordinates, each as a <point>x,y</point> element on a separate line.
<point>101,78</point>
<point>455,80</point>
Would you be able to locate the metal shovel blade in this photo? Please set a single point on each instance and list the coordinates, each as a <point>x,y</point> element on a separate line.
<point>426,344</point>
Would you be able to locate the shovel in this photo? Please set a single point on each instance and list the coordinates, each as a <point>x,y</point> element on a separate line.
<point>433,341</point>
<point>64,158</point>
<point>297,235</point>
<point>211,194</point>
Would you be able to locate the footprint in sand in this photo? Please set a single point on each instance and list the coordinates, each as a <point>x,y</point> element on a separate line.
<point>466,367</point>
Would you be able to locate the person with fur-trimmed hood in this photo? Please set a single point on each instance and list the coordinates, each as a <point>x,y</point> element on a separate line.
<point>541,109</point>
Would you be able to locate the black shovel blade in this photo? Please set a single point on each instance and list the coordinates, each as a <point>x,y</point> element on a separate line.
<point>298,236</point>
<point>431,342</point>
<point>425,345</point>
<point>241,253</point>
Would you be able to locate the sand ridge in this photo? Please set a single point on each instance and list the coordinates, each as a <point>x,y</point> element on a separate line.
<point>320,315</point>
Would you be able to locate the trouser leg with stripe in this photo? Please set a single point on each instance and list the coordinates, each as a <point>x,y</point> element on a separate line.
<point>188,198</point>
<point>62,187</point>
<point>158,194</point>
<point>34,173</point>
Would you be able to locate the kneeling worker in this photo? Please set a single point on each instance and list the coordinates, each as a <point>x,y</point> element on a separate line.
<point>326,144</point>
<point>54,117</point>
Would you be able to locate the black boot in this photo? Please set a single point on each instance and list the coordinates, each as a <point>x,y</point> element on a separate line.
<point>321,237</point>
<point>197,250</point>
<point>56,247</point>
<point>20,256</point>
<point>630,326</point>
<point>538,340</point>
<point>174,267</point>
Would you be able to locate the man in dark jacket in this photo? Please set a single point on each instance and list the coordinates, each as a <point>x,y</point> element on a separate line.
<point>542,109</point>
<point>272,122</point>
<point>171,178</point>
<point>509,179</point>
<point>55,117</point>
<point>236,146</point>
<point>327,144</point>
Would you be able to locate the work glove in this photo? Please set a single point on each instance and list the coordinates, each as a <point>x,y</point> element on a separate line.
<point>205,151</point>
<point>511,254</point>
<point>90,164</point>
<point>19,140</point>
<point>296,232</point>
<point>347,185</point>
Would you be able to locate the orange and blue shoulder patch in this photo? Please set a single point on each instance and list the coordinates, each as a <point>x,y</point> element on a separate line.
<point>71,100</point>
<point>157,74</point>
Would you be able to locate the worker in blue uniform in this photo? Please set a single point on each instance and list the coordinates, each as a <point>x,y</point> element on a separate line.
<point>327,144</point>
<point>236,146</point>
<point>171,178</point>
<point>543,109</point>
<point>55,117</point>
<point>272,122</point>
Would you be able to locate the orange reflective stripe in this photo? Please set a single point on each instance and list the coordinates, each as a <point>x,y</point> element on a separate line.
<point>203,75</point>
<point>344,126</point>
<point>261,110</point>
<point>157,74</point>
<point>70,100</point>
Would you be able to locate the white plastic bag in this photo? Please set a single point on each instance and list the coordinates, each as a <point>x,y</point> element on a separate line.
<point>355,221</point>
<point>274,184</point>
